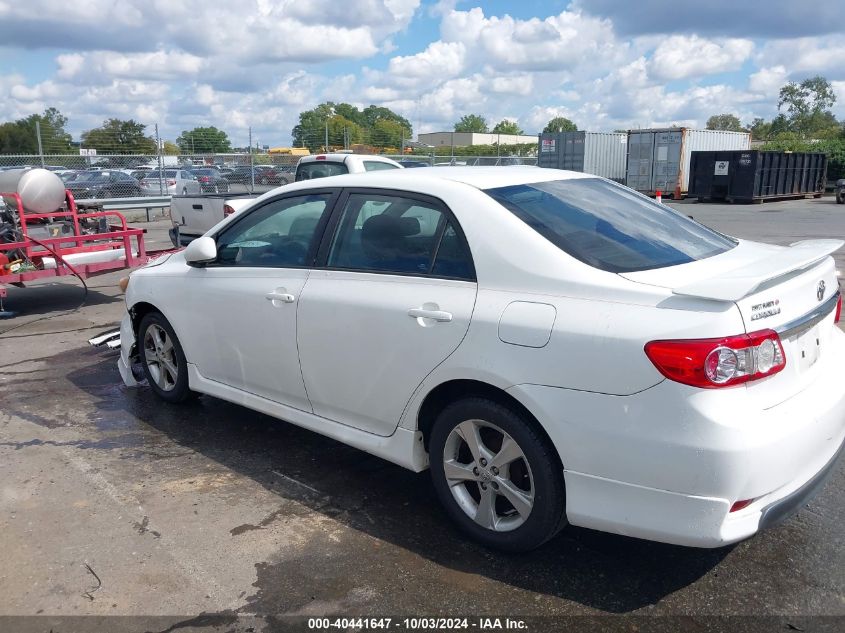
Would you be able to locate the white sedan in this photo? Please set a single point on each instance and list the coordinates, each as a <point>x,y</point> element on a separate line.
<point>555,347</point>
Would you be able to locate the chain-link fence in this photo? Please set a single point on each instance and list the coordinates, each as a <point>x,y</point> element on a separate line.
<point>128,159</point>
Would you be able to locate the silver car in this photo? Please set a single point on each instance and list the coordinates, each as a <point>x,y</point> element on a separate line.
<point>175,182</point>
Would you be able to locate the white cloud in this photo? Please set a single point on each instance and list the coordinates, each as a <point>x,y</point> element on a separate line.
<point>807,56</point>
<point>684,56</point>
<point>768,81</point>
<point>439,59</point>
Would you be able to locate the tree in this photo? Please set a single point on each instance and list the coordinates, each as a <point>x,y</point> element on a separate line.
<point>471,123</point>
<point>21,136</point>
<point>372,114</point>
<point>204,140</point>
<point>507,127</point>
<point>170,148</point>
<point>808,106</point>
<point>388,133</point>
<point>347,125</point>
<point>760,129</point>
<point>560,124</point>
<point>116,136</point>
<point>726,122</point>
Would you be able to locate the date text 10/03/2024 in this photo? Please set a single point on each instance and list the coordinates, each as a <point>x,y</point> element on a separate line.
<point>418,624</point>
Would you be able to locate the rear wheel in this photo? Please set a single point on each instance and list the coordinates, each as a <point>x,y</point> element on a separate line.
<point>162,359</point>
<point>184,191</point>
<point>840,197</point>
<point>497,477</point>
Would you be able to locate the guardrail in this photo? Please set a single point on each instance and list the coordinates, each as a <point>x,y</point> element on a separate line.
<point>121,204</point>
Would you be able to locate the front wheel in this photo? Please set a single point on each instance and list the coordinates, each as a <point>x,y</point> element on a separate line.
<point>497,477</point>
<point>163,360</point>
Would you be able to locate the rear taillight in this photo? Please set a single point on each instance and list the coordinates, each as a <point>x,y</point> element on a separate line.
<point>838,309</point>
<point>227,210</point>
<point>741,505</point>
<point>171,183</point>
<point>718,362</point>
<point>204,179</point>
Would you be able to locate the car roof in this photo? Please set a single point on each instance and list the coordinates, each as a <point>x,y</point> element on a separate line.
<point>478,177</point>
<point>342,156</point>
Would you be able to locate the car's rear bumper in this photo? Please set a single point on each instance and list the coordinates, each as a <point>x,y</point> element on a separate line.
<point>668,463</point>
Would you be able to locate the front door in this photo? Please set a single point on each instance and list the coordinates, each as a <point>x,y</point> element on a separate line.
<point>393,301</point>
<point>252,291</point>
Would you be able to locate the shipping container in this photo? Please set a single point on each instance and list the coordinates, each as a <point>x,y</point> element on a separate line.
<point>659,160</point>
<point>755,176</point>
<point>598,153</point>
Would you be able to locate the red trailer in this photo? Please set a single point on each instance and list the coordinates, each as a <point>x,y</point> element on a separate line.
<point>64,242</point>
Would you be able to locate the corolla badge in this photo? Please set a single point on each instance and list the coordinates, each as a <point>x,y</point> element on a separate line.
<point>820,291</point>
<point>765,309</point>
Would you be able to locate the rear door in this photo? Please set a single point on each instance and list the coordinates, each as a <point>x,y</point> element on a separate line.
<point>392,300</point>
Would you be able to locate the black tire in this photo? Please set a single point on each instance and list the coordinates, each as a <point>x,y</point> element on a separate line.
<point>179,392</point>
<point>184,191</point>
<point>547,515</point>
<point>840,198</point>
<point>264,181</point>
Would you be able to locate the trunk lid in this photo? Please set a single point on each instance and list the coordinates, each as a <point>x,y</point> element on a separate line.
<point>789,289</point>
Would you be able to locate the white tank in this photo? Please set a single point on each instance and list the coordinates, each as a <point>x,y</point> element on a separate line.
<point>41,190</point>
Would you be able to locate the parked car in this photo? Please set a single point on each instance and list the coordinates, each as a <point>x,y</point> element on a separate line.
<point>211,181</point>
<point>840,191</point>
<point>244,175</point>
<point>553,346</point>
<point>176,181</point>
<point>103,184</point>
<point>322,165</point>
<point>271,175</point>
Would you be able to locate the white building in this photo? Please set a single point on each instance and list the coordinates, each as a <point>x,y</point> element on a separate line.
<point>464,139</point>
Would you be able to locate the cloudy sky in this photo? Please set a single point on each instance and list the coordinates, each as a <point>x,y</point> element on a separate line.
<point>605,64</point>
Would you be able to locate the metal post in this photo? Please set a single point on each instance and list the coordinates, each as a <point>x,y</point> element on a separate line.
<point>38,136</point>
<point>452,143</point>
<point>326,146</point>
<point>251,166</point>
<point>498,144</point>
<point>160,164</point>
<point>402,149</point>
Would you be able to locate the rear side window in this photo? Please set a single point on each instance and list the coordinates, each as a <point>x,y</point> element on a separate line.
<point>608,226</point>
<point>394,234</point>
<point>320,169</point>
<point>374,165</point>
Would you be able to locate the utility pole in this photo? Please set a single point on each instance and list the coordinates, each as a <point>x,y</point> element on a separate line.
<point>160,165</point>
<point>38,136</point>
<point>251,167</point>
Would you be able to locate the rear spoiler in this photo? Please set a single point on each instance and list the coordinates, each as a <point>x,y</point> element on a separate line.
<point>736,284</point>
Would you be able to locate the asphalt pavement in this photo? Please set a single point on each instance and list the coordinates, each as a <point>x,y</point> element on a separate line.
<point>113,503</point>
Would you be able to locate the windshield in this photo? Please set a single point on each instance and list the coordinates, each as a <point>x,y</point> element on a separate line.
<point>608,226</point>
<point>167,174</point>
<point>204,172</point>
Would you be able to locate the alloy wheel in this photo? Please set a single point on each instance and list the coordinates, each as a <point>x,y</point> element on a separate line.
<point>160,356</point>
<point>488,475</point>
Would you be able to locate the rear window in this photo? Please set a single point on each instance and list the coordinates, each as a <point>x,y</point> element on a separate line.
<point>320,169</point>
<point>608,226</point>
<point>375,165</point>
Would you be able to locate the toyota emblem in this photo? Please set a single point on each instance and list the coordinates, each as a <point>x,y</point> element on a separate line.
<point>820,291</point>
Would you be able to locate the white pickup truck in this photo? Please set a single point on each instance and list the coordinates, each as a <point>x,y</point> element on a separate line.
<point>193,215</point>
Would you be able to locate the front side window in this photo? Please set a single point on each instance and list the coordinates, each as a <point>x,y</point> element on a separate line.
<point>320,169</point>
<point>393,234</point>
<point>376,165</point>
<point>279,234</point>
<point>608,226</point>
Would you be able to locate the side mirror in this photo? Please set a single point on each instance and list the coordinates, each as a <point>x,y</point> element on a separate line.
<point>201,251</point>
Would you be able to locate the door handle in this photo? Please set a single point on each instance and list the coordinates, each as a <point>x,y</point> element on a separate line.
<point>437,315</point>
<point>280,296</point>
